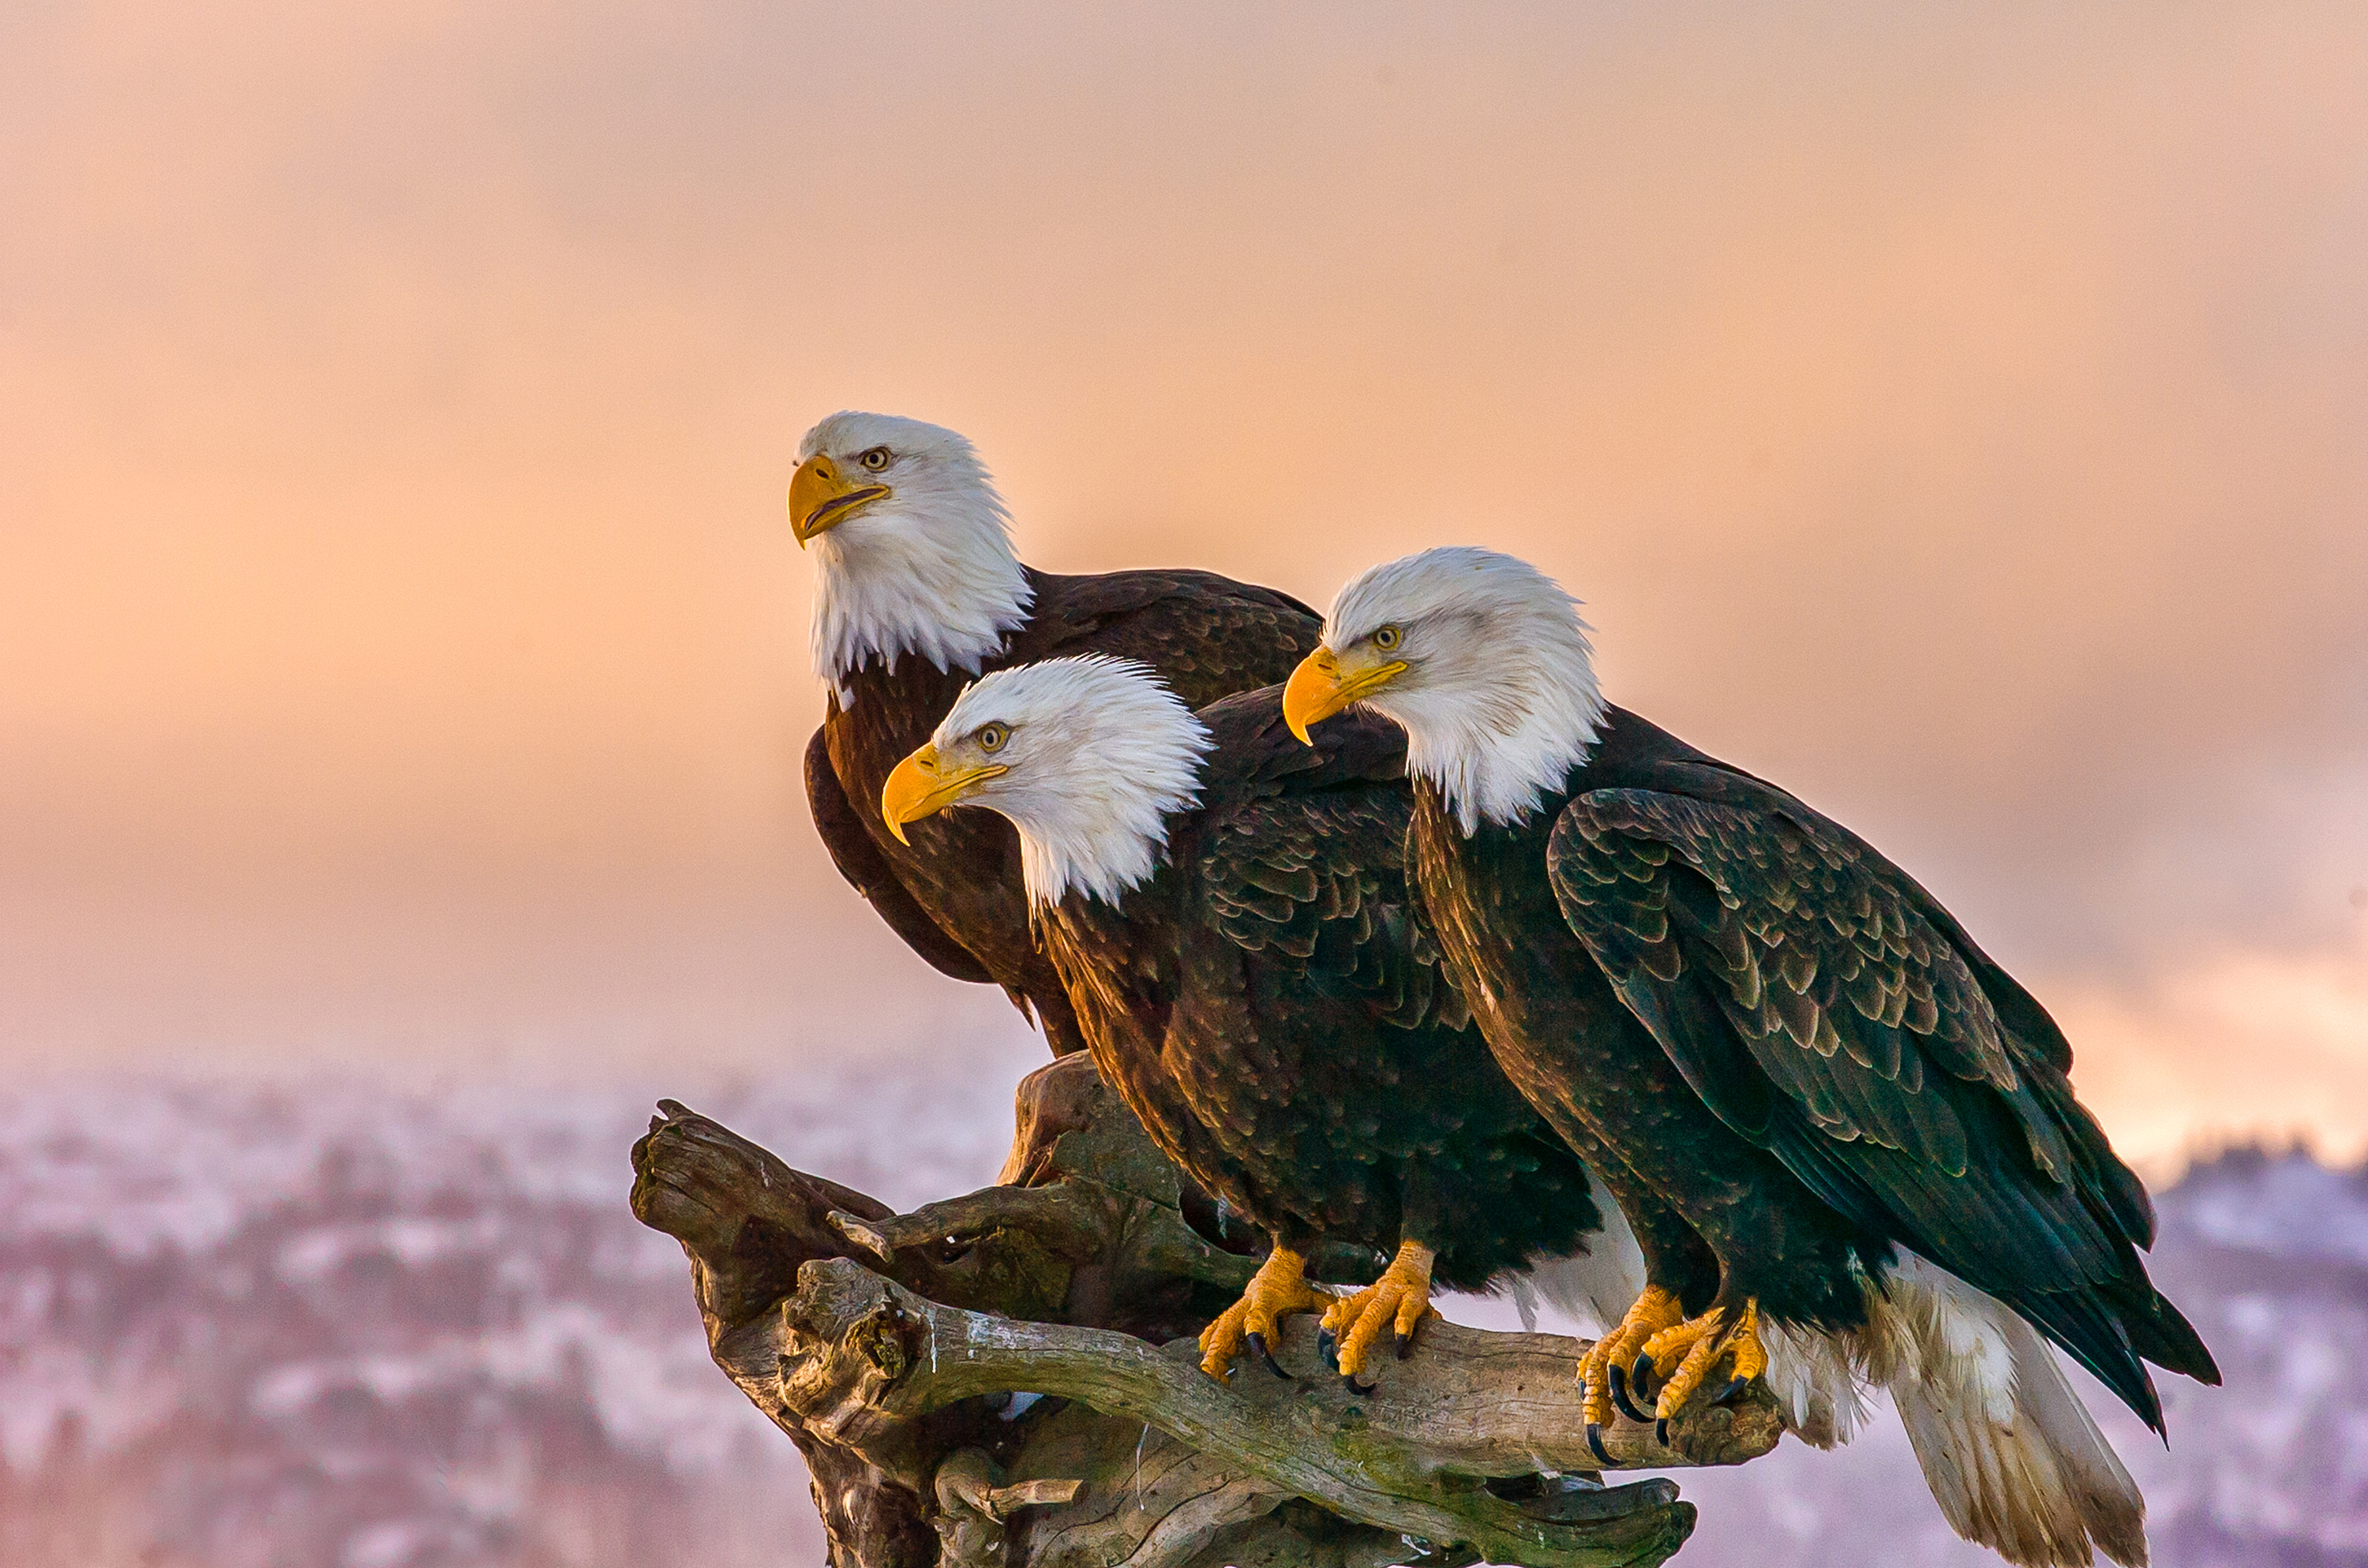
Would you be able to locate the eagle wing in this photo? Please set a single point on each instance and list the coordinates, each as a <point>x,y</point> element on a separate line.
<point>1316,1025</point>
<point>1315,884</point>
<point>867,871</point>
<point>1208,636</point>
<point>1314,968</point>
<point>1827,1008</point>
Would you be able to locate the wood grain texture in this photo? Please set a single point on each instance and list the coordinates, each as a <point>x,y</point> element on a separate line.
<point>888,1347</point>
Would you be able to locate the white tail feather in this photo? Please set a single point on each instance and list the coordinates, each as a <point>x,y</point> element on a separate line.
<point>1596,1286</point>
<point>2013,1458</point>
<point>1815,1379</point>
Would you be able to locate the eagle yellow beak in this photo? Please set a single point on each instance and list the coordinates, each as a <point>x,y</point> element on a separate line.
<point>1322,686</point>
<point>821,498</point>
<point>922,785</point>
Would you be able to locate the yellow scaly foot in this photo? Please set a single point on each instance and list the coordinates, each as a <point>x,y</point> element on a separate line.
<point>1398,1300</point>
<point>1280,1287</point>
<point>1608,1359</point>
<point>1695,1346</point>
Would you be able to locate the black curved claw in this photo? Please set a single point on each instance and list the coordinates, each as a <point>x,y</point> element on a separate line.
<point>1257,1343</point>
<point>1402,1344</point>
<point>1357,1387</point>
<point>1734,1386</point>
<point>1619,1382</point>
<point>1328,1347</point>
<point>1661,1431</point>
<point>1595,1442</point>
<point>1637,1374</point>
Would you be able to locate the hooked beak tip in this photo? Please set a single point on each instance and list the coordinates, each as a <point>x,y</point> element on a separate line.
<point>1311,694</point>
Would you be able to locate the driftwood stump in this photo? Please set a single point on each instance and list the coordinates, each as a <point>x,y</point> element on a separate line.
<point>1007,1379</point>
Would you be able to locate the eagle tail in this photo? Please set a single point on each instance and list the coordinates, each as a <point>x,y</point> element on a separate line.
<point>1595,1287</point>
<point>1813,1376</point>
<point>2013,1458</point>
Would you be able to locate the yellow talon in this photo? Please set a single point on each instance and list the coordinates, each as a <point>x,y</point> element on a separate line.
<point>1399,1301</point>
<point>1279,1288</point>
<point>1653,1311</point>
<point>1702,1341</point>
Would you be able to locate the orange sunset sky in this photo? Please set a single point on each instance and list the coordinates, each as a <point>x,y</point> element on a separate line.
<point>1961,418</point>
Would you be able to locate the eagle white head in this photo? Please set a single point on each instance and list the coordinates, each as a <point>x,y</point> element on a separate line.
<point>912,543</point>
<point>1088,756</point>
<point>1480,657</point>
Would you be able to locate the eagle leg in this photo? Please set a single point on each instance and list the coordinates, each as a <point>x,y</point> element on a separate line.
<point>1653,1311</point>
<point>1398,1300</point>
<point>1279,1288</point>
<point>1696,1345</point>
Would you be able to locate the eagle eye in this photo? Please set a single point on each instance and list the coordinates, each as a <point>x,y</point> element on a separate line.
<point>992,736</point>
<point>1388,638</point>
<point>875,460</point>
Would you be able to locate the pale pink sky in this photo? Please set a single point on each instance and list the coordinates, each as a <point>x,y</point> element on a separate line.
<point>1961,418</point>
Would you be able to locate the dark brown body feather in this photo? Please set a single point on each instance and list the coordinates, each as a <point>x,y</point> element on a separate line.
<point>1272,1008</point>
<point>954,894</point>
<point>1783,1056</point>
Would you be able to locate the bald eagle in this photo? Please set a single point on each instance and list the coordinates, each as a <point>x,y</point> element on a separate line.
<point>1844,1136</point>
<point>1230,912</point>
<point>917,590</point>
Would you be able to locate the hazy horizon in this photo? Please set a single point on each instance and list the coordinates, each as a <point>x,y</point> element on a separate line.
<point>1959,418</point>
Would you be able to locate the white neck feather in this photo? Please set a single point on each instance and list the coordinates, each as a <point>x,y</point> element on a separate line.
<point>1101,754</point>
<point>1500,701</point>
<point>929,572</point>
<point>1105,858</point>
<point>1501,775</point>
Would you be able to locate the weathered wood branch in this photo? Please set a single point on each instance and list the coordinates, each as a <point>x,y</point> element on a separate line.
<point>890,1347</point>
<point>870,1357</point>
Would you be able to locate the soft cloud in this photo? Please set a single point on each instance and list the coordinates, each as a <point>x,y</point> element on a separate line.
<point>2227,1047</point>
<point>1954,416</point>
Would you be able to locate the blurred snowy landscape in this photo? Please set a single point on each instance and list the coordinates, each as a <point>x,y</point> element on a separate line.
<point>333,1325</point>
